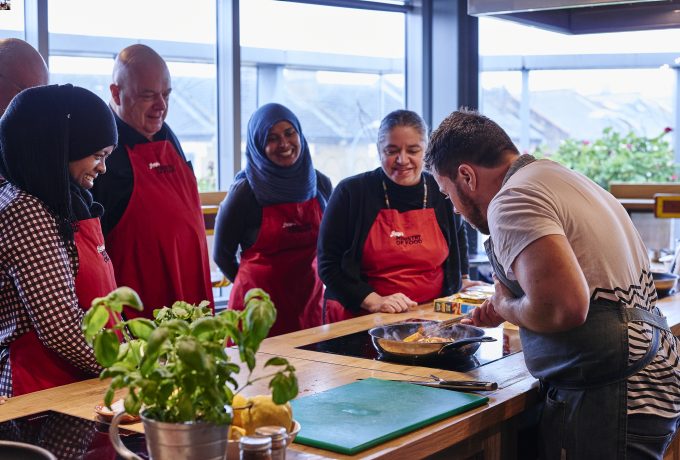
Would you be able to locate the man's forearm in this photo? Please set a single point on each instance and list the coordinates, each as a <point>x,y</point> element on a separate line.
<point>546,317</point>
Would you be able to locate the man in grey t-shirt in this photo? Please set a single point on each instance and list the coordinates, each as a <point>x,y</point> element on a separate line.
<point>573,274</point>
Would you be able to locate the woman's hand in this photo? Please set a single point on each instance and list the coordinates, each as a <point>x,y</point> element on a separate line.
<point>467,282</point>
<point>3,399</point>
<point>393,303</point>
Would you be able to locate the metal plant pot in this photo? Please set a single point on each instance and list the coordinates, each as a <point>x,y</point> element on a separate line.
<point>176,441</point>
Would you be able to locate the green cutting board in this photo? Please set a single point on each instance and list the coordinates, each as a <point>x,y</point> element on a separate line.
<point>354,417</point>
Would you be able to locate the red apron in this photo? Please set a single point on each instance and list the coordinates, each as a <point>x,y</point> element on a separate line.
<point>404,252</point>
<point>159,247</point>
<point>283,263</point>
<point>36,367</point>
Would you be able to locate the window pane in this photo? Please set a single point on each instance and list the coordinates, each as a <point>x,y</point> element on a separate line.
<point>12,20</point>
<point>172,20</point>
<point>501,92</point>
<point>324,76</point>
<point>572,101</point>
<point>76,48</point>
<point>606,116</point>
<point>302,27</point>
<point>637,100</point>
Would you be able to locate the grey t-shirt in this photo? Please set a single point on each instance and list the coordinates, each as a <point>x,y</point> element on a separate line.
<point>545,198</point>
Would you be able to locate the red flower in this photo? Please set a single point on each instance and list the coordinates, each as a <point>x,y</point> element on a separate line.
<point>667,129</point>
<point>586,142</point>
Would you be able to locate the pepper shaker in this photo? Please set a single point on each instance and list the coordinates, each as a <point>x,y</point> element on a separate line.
<point>255,448</point>
<point>279,438</point>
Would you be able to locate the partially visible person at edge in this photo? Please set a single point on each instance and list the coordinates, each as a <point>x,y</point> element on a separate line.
<point>54,142</point>
<point>573,273</point>
<point>153,223</point>
<point>273,212</point>
<point>389,240</point>
<point>21,67</point>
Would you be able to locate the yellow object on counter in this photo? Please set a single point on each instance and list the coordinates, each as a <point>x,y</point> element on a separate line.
<point>252,413</point>
<point>462,303</point>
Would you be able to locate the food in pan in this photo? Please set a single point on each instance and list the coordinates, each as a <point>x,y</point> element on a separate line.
<point>420,338</point>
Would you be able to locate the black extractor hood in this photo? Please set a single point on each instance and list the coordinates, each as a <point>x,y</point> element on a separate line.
<point>583,16</point>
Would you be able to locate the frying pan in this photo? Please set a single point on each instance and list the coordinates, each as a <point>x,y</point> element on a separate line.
<point>465,340</point>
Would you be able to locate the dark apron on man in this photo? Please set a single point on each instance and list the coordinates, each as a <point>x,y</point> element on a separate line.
<point>583,373</point>
<point>159,246</point>
<point>36,367</point>
<point>282,261</point>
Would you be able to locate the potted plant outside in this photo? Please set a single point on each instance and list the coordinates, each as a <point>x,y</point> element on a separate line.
<point>176,370</point>
<point>618,157</point>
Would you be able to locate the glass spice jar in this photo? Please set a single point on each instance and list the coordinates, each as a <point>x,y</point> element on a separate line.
<point>255,448</point>
<point>279,438</point>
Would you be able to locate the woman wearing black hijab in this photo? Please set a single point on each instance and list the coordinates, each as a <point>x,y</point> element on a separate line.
<point>54,141</point>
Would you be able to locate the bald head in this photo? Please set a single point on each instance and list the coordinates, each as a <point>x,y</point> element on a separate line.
<point>21,67</point>
<point>141,89</point>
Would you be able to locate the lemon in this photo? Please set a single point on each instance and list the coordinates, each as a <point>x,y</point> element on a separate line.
<point>236,432</point>
<point>264,412</point>
<point>239,404</point>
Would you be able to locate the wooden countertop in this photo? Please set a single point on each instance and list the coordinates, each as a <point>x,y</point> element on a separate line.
<point>321,371</point>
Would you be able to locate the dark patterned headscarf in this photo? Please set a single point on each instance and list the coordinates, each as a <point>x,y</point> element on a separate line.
<point>271,183</point>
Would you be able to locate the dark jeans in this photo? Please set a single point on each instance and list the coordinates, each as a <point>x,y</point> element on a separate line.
<point>648,436</point>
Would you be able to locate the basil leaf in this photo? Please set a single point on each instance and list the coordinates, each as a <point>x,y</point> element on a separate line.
<point>106,348</point>
<point>93,321</point>
<point>205,328</point>
<point>192,354</point>
<point>141,327</point>
<point>127,297</point>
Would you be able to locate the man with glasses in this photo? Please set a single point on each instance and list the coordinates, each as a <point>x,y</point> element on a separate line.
<point>21,67</point>
<point>153,224</point>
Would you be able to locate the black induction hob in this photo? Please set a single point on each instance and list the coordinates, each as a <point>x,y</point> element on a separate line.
<point>69,437</point>
<point>359,345</point>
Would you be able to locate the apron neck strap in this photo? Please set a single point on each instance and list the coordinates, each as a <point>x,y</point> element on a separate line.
<point>387,199</point>
<point>519,163</point>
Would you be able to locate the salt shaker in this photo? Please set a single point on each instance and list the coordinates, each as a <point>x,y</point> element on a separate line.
<point>255,448</point>
<point>279,438</point>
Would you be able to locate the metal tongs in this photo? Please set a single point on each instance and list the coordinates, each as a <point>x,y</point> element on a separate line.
<point>432,329</point>
<point>460,385</point>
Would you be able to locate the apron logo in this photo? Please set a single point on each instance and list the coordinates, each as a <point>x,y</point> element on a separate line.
<point>161,169</point>
<point>294,227</point>
<point>101,249</point>
<point>406,240</point>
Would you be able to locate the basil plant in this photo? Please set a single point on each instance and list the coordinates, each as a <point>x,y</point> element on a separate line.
<point>176,367</point>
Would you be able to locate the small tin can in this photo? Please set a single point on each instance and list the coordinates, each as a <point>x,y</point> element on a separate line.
<point>255,448</point>
<point>279,440</point>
